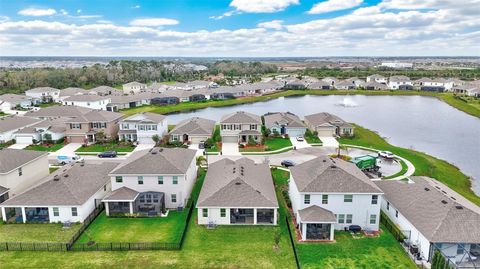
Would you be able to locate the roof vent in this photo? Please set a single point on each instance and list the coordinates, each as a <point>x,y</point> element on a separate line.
<point>444,202</point>
<point>324,160</point>
<point>66,175</point>
<point>427,189</point>
<point>333,166</point>
<point>459,207</point>
<point>238,183</point>
<point>56,178</point>
<point>453,198</point>
<point>154,152</point>
<point>160,149</point>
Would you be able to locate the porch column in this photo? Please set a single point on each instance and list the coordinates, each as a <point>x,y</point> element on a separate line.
<point>131,207</point>
<point>332,231</point>
<point>4,216</point>
<point>107,209</point>
<point>304,231</point>
<point>24,216</point>
<point>275,216</point>
<point>254,216</point>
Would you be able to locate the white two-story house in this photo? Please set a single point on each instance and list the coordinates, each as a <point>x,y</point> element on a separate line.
<point>400,83</point>
<point>142,127</point>
<point>43,95</point>
<point>151,181</point>
<point>88,100</point>
<point>331,194</point>
<point>240,127</point>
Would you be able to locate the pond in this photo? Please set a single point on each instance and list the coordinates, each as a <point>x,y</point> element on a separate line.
<point>416,122</point>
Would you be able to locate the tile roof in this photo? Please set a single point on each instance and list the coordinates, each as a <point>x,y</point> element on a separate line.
<point>11,159</point>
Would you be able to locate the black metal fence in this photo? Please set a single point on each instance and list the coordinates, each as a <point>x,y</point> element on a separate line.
<point>33,246</point>
<point>124,246</point>
<point>397,233</point>
<point>292,241</point>
<point>85,224</point>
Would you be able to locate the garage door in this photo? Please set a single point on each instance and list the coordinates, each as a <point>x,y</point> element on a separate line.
<point>197,139</point>
<point>230,139</point>
<point>145,140</point>
<point>325,132</point>
<point>24,140</point>
<point>294,132</point>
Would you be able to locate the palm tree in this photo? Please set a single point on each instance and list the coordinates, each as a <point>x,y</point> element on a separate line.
<point>341,147</point>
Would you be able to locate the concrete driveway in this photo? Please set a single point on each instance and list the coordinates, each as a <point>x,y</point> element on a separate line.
<point>195,147</point>
<point>329,141</point>
<point>67,150</point>
<point>18,146</point>
<point>299,144</point>
<point>230,149</point>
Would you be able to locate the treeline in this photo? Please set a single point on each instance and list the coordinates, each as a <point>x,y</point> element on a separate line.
<point>238,69</point>
<point>466,74</point>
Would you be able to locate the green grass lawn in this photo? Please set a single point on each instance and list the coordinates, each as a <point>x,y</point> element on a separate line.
<point>106,147</point>
<point>313,139</point>
<point>48,232</point>
<point>50,148</point>
<point>271,144</point>
<point>106,230</point>
<point>425,165</point>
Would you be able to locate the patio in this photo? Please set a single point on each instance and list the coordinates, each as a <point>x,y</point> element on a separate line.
<point>127,201</point>
<point>252,216</point>
<point>25,215</point>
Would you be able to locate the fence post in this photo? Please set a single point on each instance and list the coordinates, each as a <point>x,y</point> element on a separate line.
<point>292,241</point>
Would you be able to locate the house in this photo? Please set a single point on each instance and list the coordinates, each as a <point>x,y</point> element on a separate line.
<point>88,100</point>
<point>433,85</point>
<point>43,95</point>
<point>53,112</point>
<point>86,128</point>
<point>377,78</point>
<point>238,192</point>
<point>320,85</point>
<point>71,91</point>
<point>11,101</point>
<point>103,91</point>
<point>241,127</point>
<point>284,123</point>
<point>224,92</point>
<point>69,194</point>
<point>331,81</point>
<point>151,181</point>
<point>142,127</point>
<point>296,85</point>
<point>165,99</point>
<point>11,124</point>
<point>467,89</point>
<point>21,169</point>
<point>50,129</point>
<point>374,86</point>
<point>133,87</point>
<point>328,194</point>
<point>327,124</point>
<point>400,83</point>
<point>118,102</point>
<point>193,130</point>
<point>345,85</point>
<point>433,217</point>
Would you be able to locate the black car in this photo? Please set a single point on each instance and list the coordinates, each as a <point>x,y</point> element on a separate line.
<point>287,163</point>
<point>107,154</point>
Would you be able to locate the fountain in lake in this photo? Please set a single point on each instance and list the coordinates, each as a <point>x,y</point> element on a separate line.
<point>347,102</point>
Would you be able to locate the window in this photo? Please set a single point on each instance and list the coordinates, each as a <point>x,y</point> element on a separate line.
<point>349,218</point>
<point>324,199</point>
<point>104,187</point>
<point>20,172</point>
<point>74,212</point>
<point>174,198</point>
<point>140,180</point>
<point>388,205</point>
<point>56,213</point>
<point>75,126</point>
<point>396,213</point>
<point>306,199</point>
<point>175,180</point>
<point>155,198</point>
<point>253,127</point>
<point>160,180</point>
<point>348,198</point>
<point>373,219</point>
<point>223,212</point>
<point>341,218</point>
<point>374,199</point>
<point>205,213</point>
<point>460,249</point>
<point>119,179</point>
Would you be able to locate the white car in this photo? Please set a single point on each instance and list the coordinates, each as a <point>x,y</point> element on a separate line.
<point>300,138</point>
<point>386,154</point>
<point>69,159</point>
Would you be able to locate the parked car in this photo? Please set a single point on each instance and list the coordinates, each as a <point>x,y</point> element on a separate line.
<point>107,154</point>
<point>386,154</point>
<point>64,159</point>
<point>300,138</point>
<point>287,163</point>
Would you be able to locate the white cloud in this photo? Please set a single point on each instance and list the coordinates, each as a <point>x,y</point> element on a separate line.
<point>37,12</point>
<point>262,6</point>
<point>63,12</point>
<point>275,24</point>
<point>136,6</point>
<point>153,22</point>
<point>226,14</point>
<point>334,5</point>
<point>79,11</point>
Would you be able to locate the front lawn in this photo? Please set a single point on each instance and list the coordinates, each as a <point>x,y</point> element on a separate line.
<point>270,144</point>
<point>425,165</point>
<point>45,147</point>
<point>42,232</point>
<point>105,230</point>
<point>118,147</point>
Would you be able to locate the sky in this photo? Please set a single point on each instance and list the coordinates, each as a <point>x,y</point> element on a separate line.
<point>240,28</point>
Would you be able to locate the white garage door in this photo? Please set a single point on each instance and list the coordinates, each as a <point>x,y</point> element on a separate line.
<point>24,140</point>
<point>294,132</point>
<point>197,139</point>
<point>229,139</point>
<point>325,132</point>
<point>145,140</point>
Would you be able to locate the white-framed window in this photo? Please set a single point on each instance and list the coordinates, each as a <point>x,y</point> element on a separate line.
<point>74,212</point>
<point>348,198</point>
<point>374,199</point>
<point>75,126</point>
<point>223,212</point>
<point>205,212</point>
<point>174,198</point>
<point>160,180</point>
<point>388,205</point>
<point>373,219</point>
<point>349,218</point>
<point>306,199</point>
<point>119,179</point>
<point>175,180</point>
<point>140,180</point>
<point>325,199</point>
<point>56,212</point>
<point>396,213</point>
<point>20,171</point>
<point>341,218</point>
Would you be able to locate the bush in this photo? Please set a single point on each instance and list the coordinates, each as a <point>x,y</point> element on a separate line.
<point>251,141</point>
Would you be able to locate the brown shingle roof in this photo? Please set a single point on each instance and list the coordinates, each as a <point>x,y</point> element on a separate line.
<point>194,126</point>
<point>314,213</point>
<point>122,194</point>
<point>241,117</point>
<point>11,159</point>
<point>11,123</point>
<point>279,118</point>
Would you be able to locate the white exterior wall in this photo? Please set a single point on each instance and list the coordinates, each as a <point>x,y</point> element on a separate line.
<point>145,136</point>
<point>395,85</point>
<point>214,216</point>
<point>32,173</point>
<point>38,95</point>
<point>100,104</point>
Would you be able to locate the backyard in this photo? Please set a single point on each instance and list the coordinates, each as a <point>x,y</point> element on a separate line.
<point>42,232</point>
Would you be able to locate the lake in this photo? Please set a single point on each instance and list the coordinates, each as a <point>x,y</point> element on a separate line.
<point>416,122</point>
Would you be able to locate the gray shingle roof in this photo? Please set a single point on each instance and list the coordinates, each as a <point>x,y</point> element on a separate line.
<point>10,123</point>
<point>327,175</point>
<point>146,117</point>
<point>157,161</point>
<point>324,118</point>
<point>80,185</point>
<point>226,186</point>
<point>283,118</point>
<point>241,117</point>
<point>13,98</point>
<point>194,126</point>
<point>122,194</point>
<point>97,116</point>
<point>59,111</point>
<point>314,213</point>
<point>42,89</point>
<point>437,221</point>
<point>3,190</point>
<point>86,98</point>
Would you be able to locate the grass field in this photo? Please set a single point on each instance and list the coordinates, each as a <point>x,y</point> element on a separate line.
<point>425,165</point>
<point>48,232</point>
<point>50,148</point>
<point>106,230</point>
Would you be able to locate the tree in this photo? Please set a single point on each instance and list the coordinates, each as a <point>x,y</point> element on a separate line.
<point>341,147</point>
<point>100,137</point>
<point>156,139</point>
<point>251,141</point>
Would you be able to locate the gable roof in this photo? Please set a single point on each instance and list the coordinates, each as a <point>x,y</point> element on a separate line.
<point>98,116</point>
<point>3,190</point>
<point>86,98</point>
<point>134,83</point>
<point>122,194</point>
<point>314,213</point>
<point>11,123</point>
<point>283,118</point>
<point>146,117</point>
<point>420,201</point>
<point>11,159</point>
<point>13,98</point>
<point>327,175</point>
<point>59,111</point>
<point>75,185</point>
<point>194,126</point>
<point>240,183</point>
<point>241,117</point>
<point>324,118</point>
<point>157,161</point>
<point>42,90</point>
